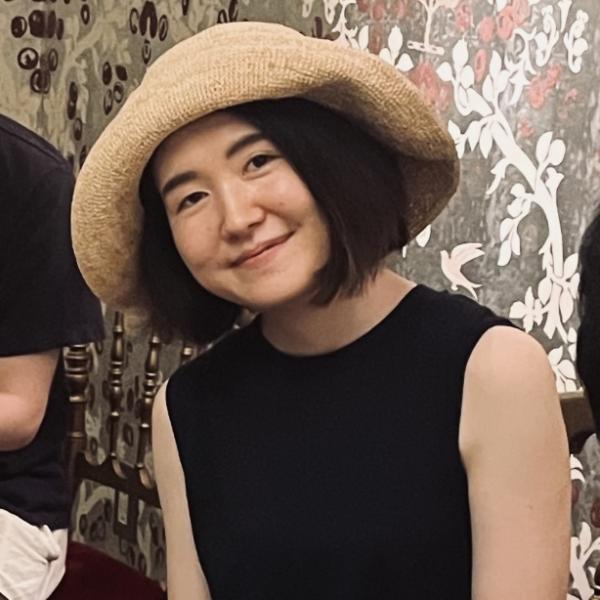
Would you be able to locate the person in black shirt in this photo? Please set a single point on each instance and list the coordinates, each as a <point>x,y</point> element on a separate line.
<point>44,305</point>
<point>588,340</point>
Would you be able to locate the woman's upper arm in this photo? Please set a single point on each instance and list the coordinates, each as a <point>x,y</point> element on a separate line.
<point>514,448</point>
<point>185,578</point>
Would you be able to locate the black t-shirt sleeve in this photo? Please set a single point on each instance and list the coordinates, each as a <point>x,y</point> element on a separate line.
<point>44,301</point>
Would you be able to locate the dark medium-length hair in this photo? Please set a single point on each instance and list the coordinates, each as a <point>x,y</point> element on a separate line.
<point>588,340</point>
<point>357,186</point>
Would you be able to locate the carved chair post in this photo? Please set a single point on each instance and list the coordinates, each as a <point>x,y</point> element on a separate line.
<point>115,381</point>
<point>77,362</point>
<point>151,375</point>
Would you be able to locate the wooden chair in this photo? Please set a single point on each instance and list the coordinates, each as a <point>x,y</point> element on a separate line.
<point>578,418</point>
<point>92,574</point>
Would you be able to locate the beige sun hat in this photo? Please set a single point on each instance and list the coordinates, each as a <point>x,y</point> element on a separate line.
<point>227,65</point>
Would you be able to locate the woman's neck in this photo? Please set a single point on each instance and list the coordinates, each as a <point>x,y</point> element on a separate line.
<point>308,329</point>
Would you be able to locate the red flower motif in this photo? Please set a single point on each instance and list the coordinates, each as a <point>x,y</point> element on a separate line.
<point>524,129</point>
<point>481,65</point>
<point>506,23</point>
<point>595,513</point>
<point>542,85</point>
<point>363,5</point>
<point>571,95</point>
<point>511,16</point>
<point>437,93</point>
<point>463,15</point>
<point>568,103</point>
<point>376,35</point>
<point>522,10</point>
<point>552,75</point>
<point>486,29</point>
<point>575,489</point>
<point>400,9</point>
<point>378,10</point>
<point>537,92</point>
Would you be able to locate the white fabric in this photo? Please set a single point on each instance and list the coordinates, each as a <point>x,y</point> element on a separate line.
<point>32,559</point>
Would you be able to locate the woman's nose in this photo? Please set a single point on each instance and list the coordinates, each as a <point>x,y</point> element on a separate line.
<point>241,211</point>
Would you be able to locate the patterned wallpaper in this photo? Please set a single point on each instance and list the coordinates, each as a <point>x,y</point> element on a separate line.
<point>516,83</point>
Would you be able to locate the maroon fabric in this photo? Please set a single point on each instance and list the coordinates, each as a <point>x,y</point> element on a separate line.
<point>95,576</point>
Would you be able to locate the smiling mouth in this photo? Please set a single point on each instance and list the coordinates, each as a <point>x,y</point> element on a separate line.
<point>251,255</point>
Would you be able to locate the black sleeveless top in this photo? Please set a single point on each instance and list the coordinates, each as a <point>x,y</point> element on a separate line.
<point>338,475</point>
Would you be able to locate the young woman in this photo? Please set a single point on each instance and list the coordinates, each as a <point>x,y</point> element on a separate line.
<point>365,436</point>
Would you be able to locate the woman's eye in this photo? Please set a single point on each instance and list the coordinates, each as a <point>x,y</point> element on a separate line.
<point>260,160</point>
<point>191,200</point>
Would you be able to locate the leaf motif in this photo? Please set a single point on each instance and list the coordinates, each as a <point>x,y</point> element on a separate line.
<point>460,54</point>
<point>485,141</point>
<point>557,152</point>
<point>504,254</point>
<point>444,72</point>
<point>549,326</point>
<point>395,41</point>
<point>517,310</point>
<point>574,285</point>
<point>502,80</point>
<point>572,335</point>
<point>505,228</point>
<point>477,103</point>
<point>566,305</point>
<point>467,77</point>
<point>553,180</point>
<point>499,171</point>
<point>515,207</point>
<point>544,290</point>
<point>515,243</point>
<point>461,96</point>
<point>363,38</point>
<point>405,63</point>
<point>543,146</point>
<point>555,355</point>
<point>488,89</point>
<point>423,237</point>
<point>454,130</point>
<point>472,133</point>
<point>571,265</point>
<point>495,64</point>
<point>529,296</point>
<point>386,56</point>
<point>567,369</point>
<point>585,536</point>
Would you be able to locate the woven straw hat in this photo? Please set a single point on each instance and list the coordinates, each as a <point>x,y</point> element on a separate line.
<point>227,65</point>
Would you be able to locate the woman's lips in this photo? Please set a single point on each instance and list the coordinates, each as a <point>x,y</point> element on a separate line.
<point>261,254</point>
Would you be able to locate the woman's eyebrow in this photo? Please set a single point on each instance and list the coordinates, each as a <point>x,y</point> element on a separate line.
<point>178,180</point>
<point>244,141</point>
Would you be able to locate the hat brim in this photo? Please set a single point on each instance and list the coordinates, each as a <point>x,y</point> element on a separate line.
<point>227,65</point>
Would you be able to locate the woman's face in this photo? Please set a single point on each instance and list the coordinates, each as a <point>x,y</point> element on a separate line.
<point>243,221</point>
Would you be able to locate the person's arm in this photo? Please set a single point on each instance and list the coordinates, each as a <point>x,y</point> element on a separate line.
<point>24,387</point>
<point>185,578</point>
<point>514,448</point>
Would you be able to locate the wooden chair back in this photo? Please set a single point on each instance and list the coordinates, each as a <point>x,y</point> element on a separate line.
<point>578,418</point>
